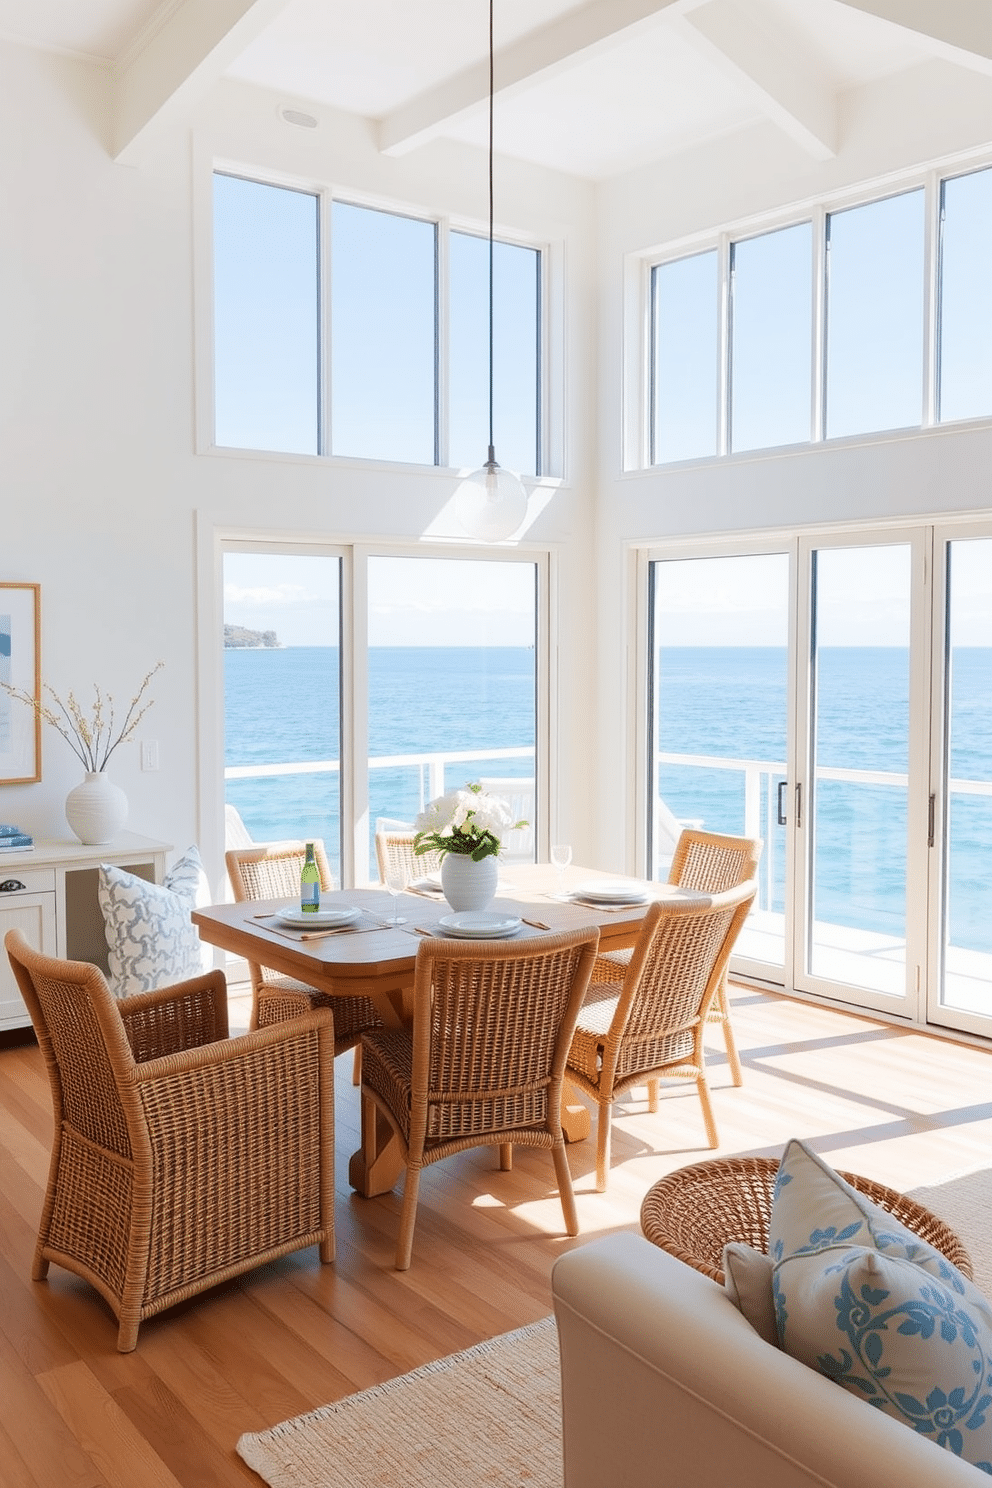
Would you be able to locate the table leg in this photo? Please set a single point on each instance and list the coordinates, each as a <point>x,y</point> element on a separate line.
<point>378,1163</point>
<point>576,1122</point>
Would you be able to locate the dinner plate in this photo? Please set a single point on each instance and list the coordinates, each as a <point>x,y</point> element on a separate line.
<point>296,919</point>
<point>611,891</point>
<point>471,924</point>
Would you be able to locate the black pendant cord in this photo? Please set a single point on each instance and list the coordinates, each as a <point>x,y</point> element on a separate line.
<point>492,450</point>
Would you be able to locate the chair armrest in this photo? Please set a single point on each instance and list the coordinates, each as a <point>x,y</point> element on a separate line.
<point>183,1016</point>
<point>292,1032</point>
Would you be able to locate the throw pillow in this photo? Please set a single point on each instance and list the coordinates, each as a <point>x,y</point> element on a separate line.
<point>748,1283</point>
<point>150,938</point>
<point>862,1299</point>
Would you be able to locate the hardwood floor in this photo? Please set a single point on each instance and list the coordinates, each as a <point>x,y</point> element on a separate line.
<point>894,1104</point>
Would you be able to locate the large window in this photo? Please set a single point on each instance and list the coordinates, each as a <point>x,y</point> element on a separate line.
<point>402,304</point>
<point>834,326</point>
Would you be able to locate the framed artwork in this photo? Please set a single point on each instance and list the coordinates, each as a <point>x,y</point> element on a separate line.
<point>20,667</point>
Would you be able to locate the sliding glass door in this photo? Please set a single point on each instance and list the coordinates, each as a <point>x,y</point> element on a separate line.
<point>852,795</point>
<point>718,720</point>
<point>960,978</point>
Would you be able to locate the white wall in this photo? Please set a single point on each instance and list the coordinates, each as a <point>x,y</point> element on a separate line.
<point>102,494</point>
<point>933,114</point>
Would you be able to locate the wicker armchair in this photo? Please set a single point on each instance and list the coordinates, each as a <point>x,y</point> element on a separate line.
<point>272,871</point>
<point>694,1212</point>
<point>484,1061</point>
<point>175,1161</point>
<point>651,1025</point>
<point>397,847</point>
<point>708,863</point>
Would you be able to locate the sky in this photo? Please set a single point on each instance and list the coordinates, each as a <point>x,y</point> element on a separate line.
<point>412,601</point>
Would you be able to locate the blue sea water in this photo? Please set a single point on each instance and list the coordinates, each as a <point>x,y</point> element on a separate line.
<point>728,702</point>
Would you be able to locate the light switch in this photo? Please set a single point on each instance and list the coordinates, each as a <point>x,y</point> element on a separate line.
<point>149,754</point>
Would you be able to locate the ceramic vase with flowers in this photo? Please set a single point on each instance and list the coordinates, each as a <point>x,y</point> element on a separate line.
<point>466,827</point>
<point>96,809</point>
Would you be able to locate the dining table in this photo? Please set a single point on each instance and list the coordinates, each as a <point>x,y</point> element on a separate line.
<point>371,957</point>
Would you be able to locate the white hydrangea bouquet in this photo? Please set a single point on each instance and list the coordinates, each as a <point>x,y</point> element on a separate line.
<point>470,822</point>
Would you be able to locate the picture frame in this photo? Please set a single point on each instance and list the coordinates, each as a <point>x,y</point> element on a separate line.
<point>20,667</point>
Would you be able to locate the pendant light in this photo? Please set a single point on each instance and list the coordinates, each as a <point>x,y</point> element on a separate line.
<point>491,502</point>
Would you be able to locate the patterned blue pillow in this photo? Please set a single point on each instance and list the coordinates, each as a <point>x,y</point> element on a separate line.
<point>151,940</point>
<point>873,1307</point>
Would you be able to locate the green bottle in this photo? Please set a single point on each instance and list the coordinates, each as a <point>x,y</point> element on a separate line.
<point>310,884</point>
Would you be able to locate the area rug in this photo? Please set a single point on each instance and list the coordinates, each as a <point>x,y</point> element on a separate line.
<point>489,1415</point>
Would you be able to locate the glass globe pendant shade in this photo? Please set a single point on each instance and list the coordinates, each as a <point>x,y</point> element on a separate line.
<point>491,503</point>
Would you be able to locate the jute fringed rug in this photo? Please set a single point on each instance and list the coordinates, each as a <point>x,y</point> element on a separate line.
<point>489,1415</point>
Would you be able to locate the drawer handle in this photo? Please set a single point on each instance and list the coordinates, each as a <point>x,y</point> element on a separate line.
<point>10,886</point>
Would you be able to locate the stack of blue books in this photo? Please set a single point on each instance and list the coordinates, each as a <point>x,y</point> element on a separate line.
<point>12,839</point>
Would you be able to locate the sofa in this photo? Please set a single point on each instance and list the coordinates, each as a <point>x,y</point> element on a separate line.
<point>665,1382</point>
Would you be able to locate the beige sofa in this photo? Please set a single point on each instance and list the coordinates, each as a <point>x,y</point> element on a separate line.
<point>665,1383</point>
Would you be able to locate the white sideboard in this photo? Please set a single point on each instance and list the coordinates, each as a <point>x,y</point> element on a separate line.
<point>56,905</point>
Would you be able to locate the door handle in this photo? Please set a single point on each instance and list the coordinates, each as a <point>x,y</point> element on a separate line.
<point>10,886</point>
<point>783,786</point>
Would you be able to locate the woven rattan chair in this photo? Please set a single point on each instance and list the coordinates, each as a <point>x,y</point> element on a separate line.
<point>694,1212</point>
<point>651,1025</point>
<point>393,847</point>
<point>175,1162</point>
<point>483,1063</point>
<point>272,871</point>
<point>708,863</point>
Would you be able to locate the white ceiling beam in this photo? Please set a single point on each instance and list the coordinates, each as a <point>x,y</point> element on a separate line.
<point>540,53</point>
<point>960,29</point>
<point>776,74</point>
<point>175,62</point>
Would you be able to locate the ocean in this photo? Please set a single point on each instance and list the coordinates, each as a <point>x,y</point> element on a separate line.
<point>726,702</point>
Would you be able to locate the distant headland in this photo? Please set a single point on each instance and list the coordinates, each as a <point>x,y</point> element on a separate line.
<point>237,637</point>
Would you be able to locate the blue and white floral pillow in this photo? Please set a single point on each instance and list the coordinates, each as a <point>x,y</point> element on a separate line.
<point>151,939</point>
<point>866,1302</point>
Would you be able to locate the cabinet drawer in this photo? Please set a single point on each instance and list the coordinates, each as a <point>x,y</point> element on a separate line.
<point>34,916</point>
<point>35,880</point>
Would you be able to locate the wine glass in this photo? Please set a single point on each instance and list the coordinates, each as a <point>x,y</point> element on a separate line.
<point>561,856</point>
<point>397,879</point>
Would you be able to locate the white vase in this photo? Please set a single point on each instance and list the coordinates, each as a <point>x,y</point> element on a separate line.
<point>467,884</point>
<point>96,810</point>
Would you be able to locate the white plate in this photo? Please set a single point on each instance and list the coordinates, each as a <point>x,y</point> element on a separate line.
<point>471,924</point>
<point>611,891</point>
<point>296,919</point>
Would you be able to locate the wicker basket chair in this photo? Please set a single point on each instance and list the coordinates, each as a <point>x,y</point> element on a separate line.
<point>709,863</point>
<point>484,1061</point>
<point>272,871</point>
<point>397,847</point>
<point>694,1212</point>
<point>651,1025</point>
<point>175,1163</point>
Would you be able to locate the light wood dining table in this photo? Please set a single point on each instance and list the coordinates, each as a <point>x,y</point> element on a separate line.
<point>377,960</point>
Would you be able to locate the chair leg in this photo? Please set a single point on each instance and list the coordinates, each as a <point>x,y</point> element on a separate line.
<point>506,1157</point>
<point>733,1058</point>
<point>356,1070</point>
<point>604,1122</point>
<point>565,1189</point>
<point>709,1120</point>
<point>408,1218</point>
<point>654,1086</point>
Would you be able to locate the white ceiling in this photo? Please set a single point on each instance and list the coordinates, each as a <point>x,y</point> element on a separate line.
<point>592,87</point>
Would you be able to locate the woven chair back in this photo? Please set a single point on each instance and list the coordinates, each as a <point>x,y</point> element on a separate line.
<point>82,1039</point>
<point>674,973</point>
<point>492,1029</point>
<point>709,862</point>
<point>272,870</point>
<point>397,847</point>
